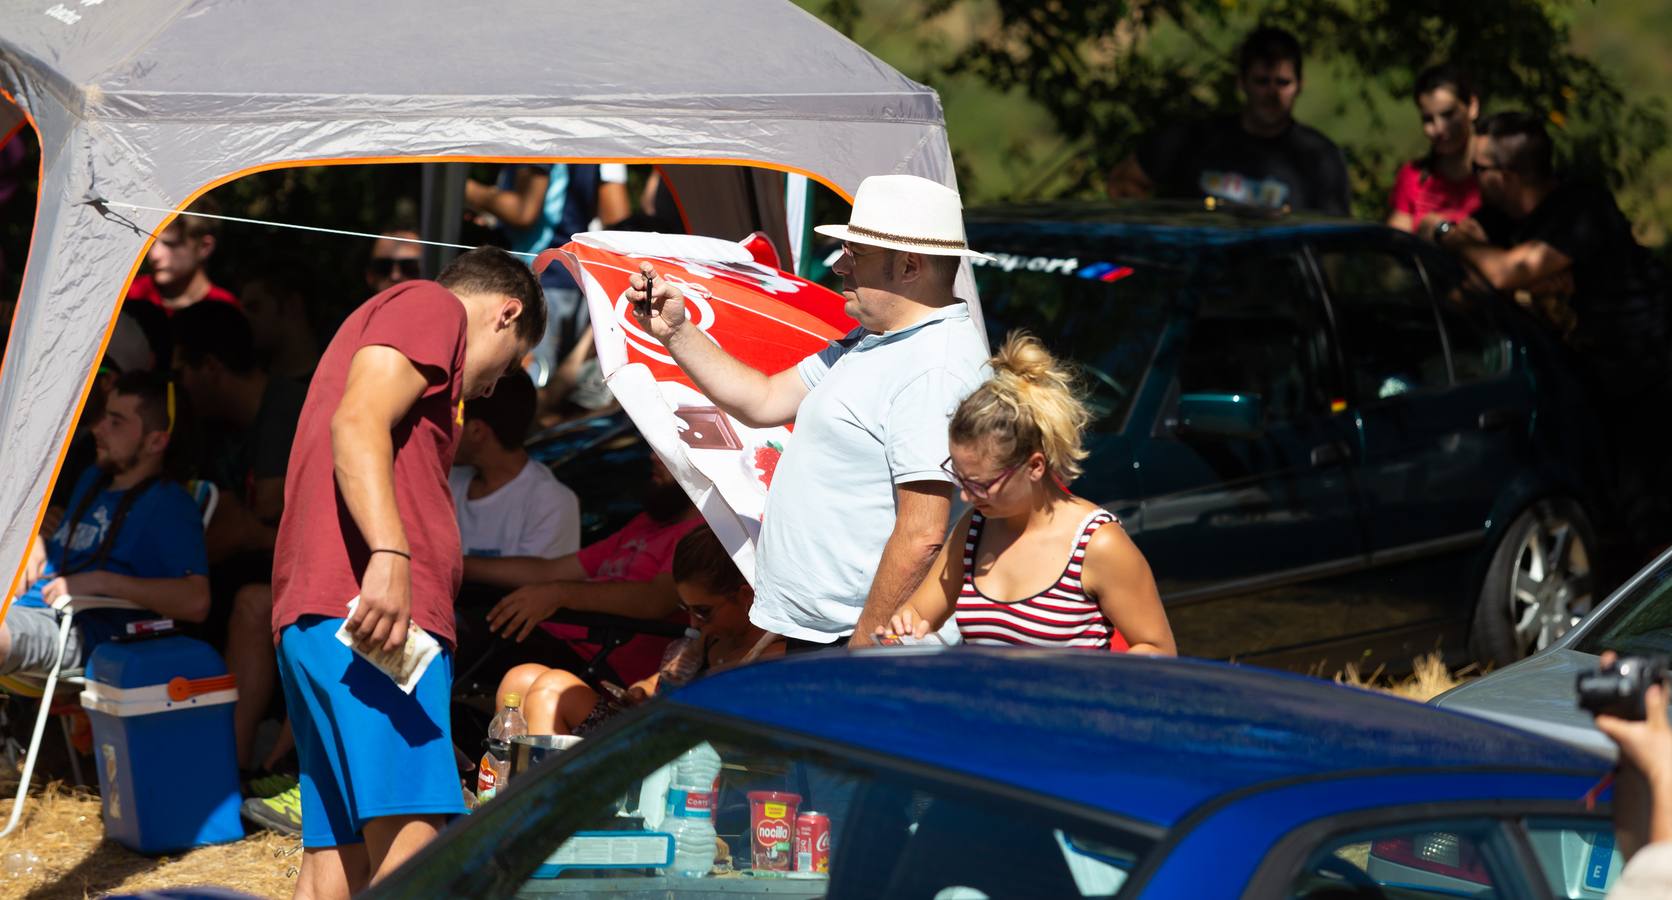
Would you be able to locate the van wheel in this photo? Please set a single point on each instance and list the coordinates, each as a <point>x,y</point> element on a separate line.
<point>1539,584</point>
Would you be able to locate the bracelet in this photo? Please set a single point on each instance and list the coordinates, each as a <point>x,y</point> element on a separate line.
<point>401,553</point>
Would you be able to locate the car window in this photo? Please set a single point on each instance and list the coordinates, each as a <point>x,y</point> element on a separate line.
<point>1417,860</point>
<point>1639,623</point>
<point>886,832</point>
<point>1102,315</point>
<point>1259,330</point>
<point>1386,320</point>
<point>1578,856</point>
<point>1479,347</point>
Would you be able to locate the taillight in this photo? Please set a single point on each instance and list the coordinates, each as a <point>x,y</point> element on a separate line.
<point>1440,852</point>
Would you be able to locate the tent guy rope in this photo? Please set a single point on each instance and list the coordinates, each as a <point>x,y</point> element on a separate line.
<point>98,202</point>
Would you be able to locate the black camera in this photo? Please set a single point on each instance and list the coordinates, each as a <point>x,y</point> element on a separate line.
<point>1618,689</point>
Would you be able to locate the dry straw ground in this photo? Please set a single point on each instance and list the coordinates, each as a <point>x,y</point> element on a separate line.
<point>72,860</point>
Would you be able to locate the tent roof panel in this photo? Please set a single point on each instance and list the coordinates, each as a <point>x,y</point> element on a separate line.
<point>326,59</point>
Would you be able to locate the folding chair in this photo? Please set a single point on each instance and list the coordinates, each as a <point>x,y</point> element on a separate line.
<point>207,497</point>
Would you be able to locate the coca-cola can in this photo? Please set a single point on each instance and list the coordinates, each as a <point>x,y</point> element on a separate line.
<point>812,842</point>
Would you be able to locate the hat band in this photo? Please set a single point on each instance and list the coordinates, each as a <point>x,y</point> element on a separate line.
<point>903,239</point>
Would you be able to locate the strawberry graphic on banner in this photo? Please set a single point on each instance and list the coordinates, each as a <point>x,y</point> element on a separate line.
<point>764,317</point>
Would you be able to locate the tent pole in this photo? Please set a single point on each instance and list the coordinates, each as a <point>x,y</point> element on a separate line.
<point>441,212</point>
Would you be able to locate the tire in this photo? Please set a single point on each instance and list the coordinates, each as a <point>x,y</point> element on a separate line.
<point>1539,584</point>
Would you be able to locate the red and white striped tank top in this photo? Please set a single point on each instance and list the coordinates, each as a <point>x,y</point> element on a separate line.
<point>1059,616</point>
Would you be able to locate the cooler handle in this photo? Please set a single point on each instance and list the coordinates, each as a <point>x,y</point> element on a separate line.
<point>181,688</point>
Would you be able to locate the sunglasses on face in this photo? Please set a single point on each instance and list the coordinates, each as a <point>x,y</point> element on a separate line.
<point>977,489</point>
<point>384,266</point>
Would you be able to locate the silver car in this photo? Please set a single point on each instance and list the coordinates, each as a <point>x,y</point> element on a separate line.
<point>1537,694</point>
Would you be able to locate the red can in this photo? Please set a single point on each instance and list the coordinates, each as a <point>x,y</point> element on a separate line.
<point>772,822</point>
<point>812,842</point>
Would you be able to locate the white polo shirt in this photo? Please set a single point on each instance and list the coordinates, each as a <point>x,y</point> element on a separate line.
<point>875,416</point>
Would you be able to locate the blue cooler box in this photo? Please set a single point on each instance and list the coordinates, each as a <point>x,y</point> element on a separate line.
<point>161,708</point>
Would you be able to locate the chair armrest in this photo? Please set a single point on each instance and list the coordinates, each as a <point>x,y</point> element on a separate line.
<point>77,603</point>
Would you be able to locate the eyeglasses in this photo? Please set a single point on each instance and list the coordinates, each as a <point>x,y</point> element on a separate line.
<point>977,489</point>
<point>699,614</point>
<point>849,250</point>
<point>1481,167</point>
<point>384,266</point>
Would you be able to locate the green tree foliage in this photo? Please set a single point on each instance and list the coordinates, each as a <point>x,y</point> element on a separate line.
<point>1108,72</point>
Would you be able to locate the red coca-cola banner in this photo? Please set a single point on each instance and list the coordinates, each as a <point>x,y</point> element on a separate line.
<point>763,316</point>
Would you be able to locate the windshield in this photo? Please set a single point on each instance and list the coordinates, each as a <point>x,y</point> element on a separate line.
<point>1089,307</point>
<point>669,807</point>
<point>1640,622</point>
<point>1100,313</point>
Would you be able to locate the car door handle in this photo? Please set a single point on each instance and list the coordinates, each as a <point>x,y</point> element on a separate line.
<point>1329,454</point>
<point>1493,419</point>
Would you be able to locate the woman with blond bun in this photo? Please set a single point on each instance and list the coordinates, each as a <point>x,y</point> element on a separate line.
<point>1037,565</point>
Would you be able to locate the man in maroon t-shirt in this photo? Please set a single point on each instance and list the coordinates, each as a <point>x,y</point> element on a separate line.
<point>368,514</point>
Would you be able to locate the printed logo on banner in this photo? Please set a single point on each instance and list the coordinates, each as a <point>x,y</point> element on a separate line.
<point>699,310</point>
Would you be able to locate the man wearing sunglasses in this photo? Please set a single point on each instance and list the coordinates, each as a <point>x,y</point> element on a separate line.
<point>395,258</point>
<point>859,504</point>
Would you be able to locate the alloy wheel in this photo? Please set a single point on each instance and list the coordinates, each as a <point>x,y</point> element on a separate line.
<point>1550,585</point>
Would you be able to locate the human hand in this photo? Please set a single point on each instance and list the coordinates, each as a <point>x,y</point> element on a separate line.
<point>906,622</point>
<point>36,566</point>
<point>642,690</point>
<point>1647,745</point>
<point>385,606</point>
<point>667,304</point>
<point>522,609</point>
<point>80,584</point>
<point>1472,229</point>
<point>1427,224</point>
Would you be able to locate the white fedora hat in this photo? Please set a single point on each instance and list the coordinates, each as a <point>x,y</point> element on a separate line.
<point>905,212</point>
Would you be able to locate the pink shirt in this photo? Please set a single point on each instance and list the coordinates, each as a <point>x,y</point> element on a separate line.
<point>640,551</point>
<point>1419,192</point>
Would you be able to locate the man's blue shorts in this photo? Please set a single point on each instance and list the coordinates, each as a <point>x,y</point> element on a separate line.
<point>366,749</point>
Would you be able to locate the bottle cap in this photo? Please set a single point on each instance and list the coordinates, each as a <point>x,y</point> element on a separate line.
<point>513,700</point>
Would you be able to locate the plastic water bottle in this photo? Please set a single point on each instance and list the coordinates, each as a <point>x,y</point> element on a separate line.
<point>508,723</point>
<point>690,815</point>
<point>681,661</point>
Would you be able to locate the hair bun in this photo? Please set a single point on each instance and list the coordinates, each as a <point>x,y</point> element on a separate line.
<point>1026,358</point>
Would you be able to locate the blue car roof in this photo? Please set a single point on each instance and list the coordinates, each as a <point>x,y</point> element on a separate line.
<point>1146,738</point>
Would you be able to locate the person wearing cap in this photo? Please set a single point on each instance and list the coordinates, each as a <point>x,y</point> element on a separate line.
<point>870,414</point>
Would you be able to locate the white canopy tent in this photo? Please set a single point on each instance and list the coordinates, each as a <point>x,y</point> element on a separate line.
<point>154,102</point>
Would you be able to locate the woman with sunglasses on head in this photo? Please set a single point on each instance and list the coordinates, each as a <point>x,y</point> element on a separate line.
<point>1036,565</point>
<point>716,597</point>
<point>1443,183</point>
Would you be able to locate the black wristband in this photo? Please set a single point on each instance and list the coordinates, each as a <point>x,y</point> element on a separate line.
<point>401,553</point>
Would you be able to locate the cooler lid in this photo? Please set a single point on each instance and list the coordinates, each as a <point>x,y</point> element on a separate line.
<point>153,661</point>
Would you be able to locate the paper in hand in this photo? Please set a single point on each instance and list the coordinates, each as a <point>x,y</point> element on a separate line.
<point>404,666</point>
